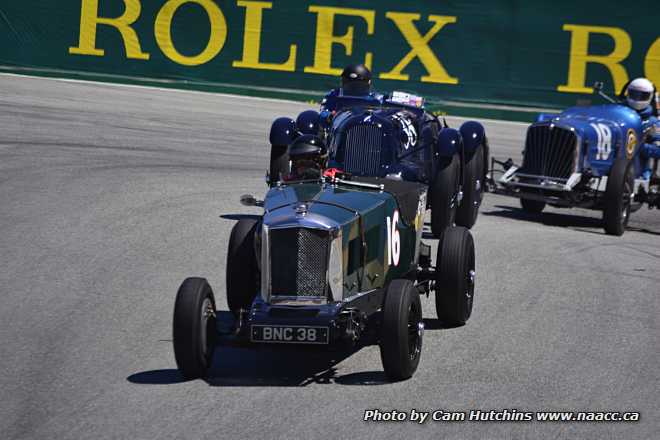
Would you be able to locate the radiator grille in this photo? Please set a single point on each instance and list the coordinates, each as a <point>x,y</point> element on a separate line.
<point>550,152</point>
<point>363,150</point>
<point>299,259</point>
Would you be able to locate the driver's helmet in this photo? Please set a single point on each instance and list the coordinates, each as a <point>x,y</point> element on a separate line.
<point>639,93</point>
<point>308,156</point>
<point>356,80</point>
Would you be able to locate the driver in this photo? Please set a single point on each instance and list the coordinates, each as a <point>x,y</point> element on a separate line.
<point>640,96</point>
<point>309,157</point>
<point>355,82</point>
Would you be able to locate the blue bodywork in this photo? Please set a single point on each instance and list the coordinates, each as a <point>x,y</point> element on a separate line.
<point>411,143</point>
<point>395,138</point>
<point>570,157</point>
<point>414,142</point>
<point>283,131</point>
<point>618,122</point>
<point>409,154</point>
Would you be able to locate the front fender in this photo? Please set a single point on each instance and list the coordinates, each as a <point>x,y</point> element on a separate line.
<point>449,142</point>
<point>473,134</point>
<point>308,122</point>
<point>542,117</point>
<point>283,132</point>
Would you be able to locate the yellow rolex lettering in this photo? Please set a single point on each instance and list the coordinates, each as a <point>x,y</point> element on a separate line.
<point>89,20</point>
<point>419,45</point>
<point>652,63</point>
<point>252,40</point>
<point>580,57</point>
<point>325,37</point>
<point>163,32</point>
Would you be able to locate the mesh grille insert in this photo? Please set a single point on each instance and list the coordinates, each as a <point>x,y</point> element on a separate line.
<point>550,152</point>
<point>299,259</point>
<point>363,149</point>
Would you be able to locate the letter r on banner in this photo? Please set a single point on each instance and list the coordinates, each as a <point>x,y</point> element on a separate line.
<point>89,21</point>
<point>579,57</point>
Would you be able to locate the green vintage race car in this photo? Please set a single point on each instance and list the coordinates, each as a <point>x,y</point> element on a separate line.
<point>331,262</point>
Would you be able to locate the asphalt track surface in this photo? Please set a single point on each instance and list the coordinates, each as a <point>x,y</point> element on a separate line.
<point>110,196</point>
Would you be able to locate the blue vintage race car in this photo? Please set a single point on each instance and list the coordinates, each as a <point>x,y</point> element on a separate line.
<point>587,157</point>
<point>393,137</point>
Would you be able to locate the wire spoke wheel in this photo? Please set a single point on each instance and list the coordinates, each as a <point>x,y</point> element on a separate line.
<point>627,199</point>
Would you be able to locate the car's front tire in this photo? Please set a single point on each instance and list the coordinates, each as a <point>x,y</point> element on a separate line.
<point>402,330</point>
<point>242,269</point>
<point>455,274</point>
<point>194,328</point>
<point>473,186</point>
<point>443,196</point>
<point>617,199</point>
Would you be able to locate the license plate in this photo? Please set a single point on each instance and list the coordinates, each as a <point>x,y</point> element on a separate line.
<point>281,334</point>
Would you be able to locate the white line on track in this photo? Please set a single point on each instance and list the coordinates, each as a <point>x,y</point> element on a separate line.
<point>228,95</point>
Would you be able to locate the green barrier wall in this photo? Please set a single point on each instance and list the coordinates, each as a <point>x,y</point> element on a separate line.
<point>532,53</point>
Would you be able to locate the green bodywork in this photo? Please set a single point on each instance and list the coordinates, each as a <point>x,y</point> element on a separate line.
<point>361,215</point>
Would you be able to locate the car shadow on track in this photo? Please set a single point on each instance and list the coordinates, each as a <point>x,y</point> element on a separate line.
<point>157,377</point>
<point>436,324</point>
<point>642,230</point>
<point>243,367</point>
<point>237,217</point>
<point>268,366</point>
<point>572,221</point>
<point>576,222</point>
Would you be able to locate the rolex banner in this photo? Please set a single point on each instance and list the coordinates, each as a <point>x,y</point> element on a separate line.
<point>476,52</point>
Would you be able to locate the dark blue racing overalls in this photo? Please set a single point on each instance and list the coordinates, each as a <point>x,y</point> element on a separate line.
<point>650,148</point>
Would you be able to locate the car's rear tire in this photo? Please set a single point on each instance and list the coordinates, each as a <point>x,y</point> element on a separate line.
<point>279,162</point>
<point>443,196</point>
<point>402,330</point>
<point>455,273</point>
<point>194,328</point>
<point>242,269</point>
<point>617,199</point>
<point>473,184</point>
<point>532,206</point>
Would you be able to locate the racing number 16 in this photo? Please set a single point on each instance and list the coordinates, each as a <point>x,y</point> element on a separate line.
<point>393,240</point>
